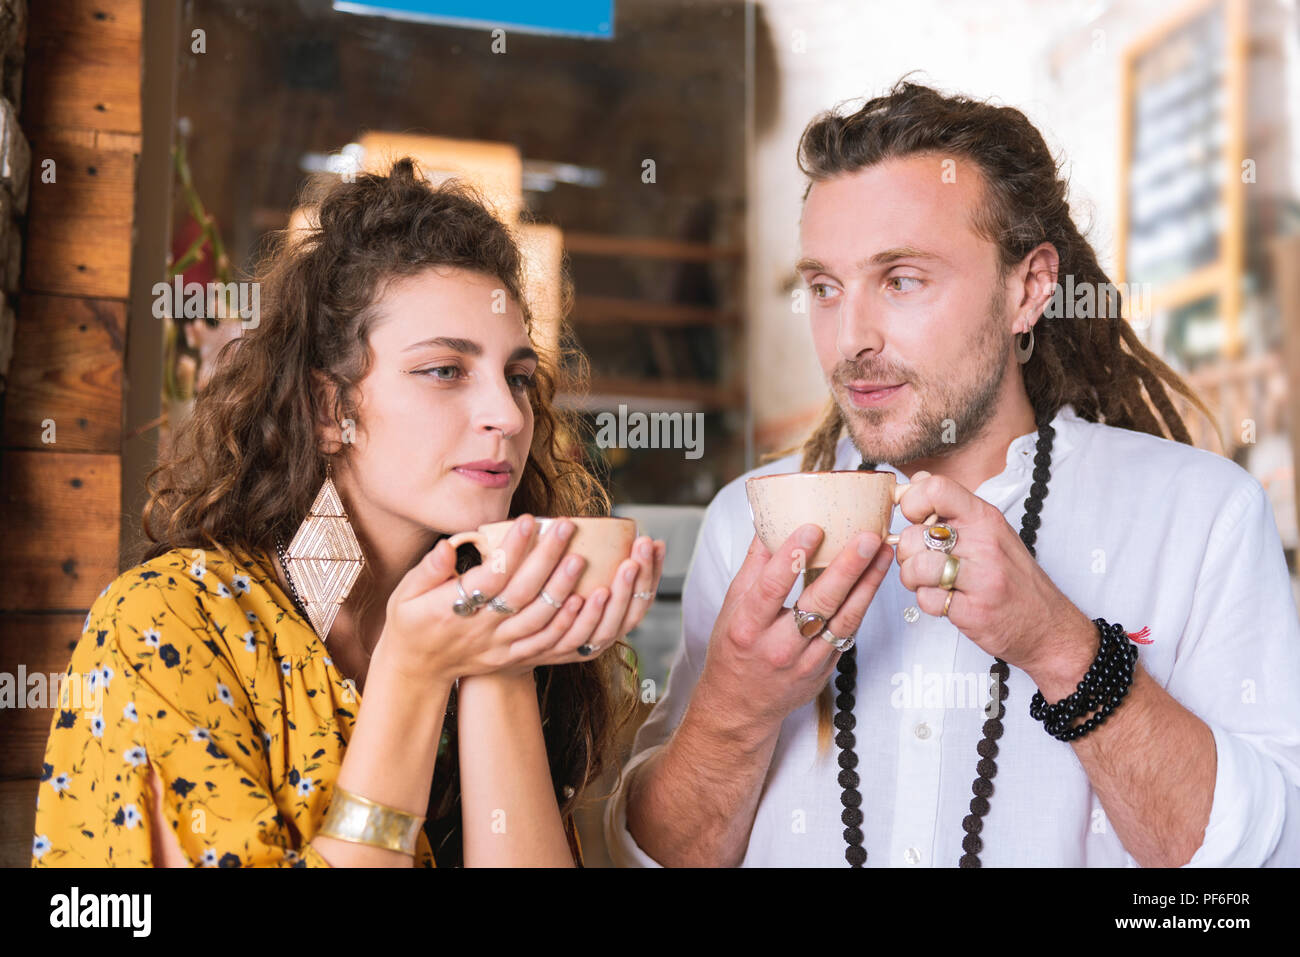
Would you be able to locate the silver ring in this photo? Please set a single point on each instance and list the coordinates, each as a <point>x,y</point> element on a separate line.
<point>497,605</point>
<point>644,595</point>
<point>551,601</point>
<point>841,644</point>
<point>804,618</point>
<point>944,541</point>
<point>586,650</point>
<point>465,605</point>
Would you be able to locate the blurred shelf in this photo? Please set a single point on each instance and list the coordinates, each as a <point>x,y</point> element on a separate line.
<point>609,393</point>
<point>602,309</point>
<point>645,247</point>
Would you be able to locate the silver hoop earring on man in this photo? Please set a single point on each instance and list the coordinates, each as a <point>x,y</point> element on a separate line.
<point>1024,352</point>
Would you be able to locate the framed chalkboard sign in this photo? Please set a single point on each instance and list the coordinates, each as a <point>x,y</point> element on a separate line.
<point>1181,220</point>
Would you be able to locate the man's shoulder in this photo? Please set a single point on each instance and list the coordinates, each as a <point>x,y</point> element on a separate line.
<point>1164,467</point>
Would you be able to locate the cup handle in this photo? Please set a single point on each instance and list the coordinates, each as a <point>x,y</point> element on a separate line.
<point>900,489</point>
<point>477,539</point>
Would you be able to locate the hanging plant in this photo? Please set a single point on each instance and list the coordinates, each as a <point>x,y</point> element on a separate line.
<point>190,339</point>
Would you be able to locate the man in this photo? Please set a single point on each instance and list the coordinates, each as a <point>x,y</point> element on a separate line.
<point>934,233</point>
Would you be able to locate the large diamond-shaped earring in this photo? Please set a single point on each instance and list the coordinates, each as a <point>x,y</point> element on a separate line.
<point>324,557</point>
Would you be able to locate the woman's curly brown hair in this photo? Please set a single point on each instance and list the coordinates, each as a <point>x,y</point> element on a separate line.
<point>247,466</point>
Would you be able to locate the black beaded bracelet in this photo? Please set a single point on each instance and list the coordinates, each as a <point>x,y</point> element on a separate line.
<point>1084,698</point>
<point>1103,687</point>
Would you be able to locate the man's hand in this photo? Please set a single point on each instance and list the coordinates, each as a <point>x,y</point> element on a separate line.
<point>693,802</point>
<point>1002,599</point>
<point>757,663</point>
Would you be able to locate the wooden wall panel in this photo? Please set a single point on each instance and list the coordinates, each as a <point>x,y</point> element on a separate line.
<point>60,512</point>
<point>68,370</point>
<point>79,227</point>
<point>83,64</point>
<point>17,820</point>
<point>40,643</point>
<point>60,503</point>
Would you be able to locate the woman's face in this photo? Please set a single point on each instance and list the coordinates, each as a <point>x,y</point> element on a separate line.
<point>444,419</point>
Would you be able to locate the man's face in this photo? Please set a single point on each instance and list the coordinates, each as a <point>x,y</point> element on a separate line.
<point>904,293</point>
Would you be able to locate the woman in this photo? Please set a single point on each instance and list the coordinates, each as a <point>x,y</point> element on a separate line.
<point>391,378</point>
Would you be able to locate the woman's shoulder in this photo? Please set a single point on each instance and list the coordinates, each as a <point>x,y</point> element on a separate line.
<point>178,574</point>
<point>184,595</point>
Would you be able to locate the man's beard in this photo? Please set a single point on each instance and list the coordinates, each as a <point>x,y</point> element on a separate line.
<point>959,407</point>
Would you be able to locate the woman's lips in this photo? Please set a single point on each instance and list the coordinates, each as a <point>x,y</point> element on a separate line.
<point>485,478</point>
<point>872,399</point>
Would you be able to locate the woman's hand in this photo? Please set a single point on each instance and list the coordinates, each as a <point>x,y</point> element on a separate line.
<point>424,637</point>
<point>608,615</point>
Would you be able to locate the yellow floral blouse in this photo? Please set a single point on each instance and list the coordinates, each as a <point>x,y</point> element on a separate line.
<point>206,670</point>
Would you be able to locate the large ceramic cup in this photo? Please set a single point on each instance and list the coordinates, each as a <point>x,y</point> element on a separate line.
<point>604,542</point>
<point>843,504</point>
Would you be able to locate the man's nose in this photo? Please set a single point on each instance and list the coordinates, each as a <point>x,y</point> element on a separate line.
<point>859,327</point>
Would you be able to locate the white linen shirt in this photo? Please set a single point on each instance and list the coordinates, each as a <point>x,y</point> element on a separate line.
<point>1138,530</point>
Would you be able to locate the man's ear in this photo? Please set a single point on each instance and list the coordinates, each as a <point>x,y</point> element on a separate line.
<point>329,431</point>
<point>1038,273</point>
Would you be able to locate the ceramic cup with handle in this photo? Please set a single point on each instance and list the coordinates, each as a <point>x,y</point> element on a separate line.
<point>842,504</point>
<point>604,542</point>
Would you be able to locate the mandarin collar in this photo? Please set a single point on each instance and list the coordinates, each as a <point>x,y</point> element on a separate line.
<point>1002,489</point>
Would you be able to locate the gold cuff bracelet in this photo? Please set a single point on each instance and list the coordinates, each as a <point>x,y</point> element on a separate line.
<point>362,821</point>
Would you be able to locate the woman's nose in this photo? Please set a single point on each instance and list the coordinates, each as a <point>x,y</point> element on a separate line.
<point>499,409</point>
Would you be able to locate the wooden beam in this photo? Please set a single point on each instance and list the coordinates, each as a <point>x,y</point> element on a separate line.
<point>1167,25</point>
<point>1206,281</point>
<point>60,515</point>
<point>69,372</point>
<point>1233,241</point>
<point>1127,64</point>
<point>1286,270</point>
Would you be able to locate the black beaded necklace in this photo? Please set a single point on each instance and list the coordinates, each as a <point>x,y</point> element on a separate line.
<point>298,603</point>
<point>986,768</point>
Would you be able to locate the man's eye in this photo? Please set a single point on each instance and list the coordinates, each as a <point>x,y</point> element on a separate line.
<point>820,290</point>
<point>897,279</point>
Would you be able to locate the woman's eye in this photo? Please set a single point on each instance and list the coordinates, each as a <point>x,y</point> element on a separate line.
<point>433,373</point>
<point>897,279</point>
<point>521,381</point>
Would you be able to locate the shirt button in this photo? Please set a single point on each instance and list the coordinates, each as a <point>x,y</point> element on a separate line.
<point>912,856</point>
<point>922,730</point>
<point>911,613</point>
